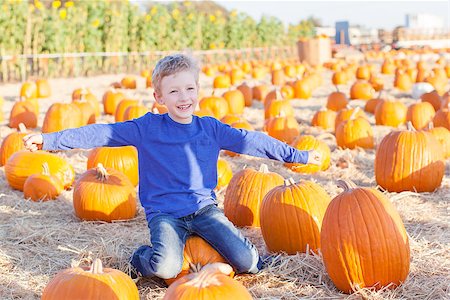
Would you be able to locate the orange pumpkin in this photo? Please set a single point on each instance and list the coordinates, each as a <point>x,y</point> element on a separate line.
<point>28,90</point>
<point>306,143</point>
<point>224,173</point>
<point>128,82</point>
<point>325,119</point>
<point>211,282</point>
<point>433,98</point>
<point>291,216</point>
<point>104,194</point>
<point>442,118</point>
<point>62,116</point>
<point>122,107</point>
<point>43,186</point>
<point>283,128</point>
<point>442,134</point>
<point>123,159</point>
<point>218,105</point>
<point>245,193</point>
<point>420,114</point>
<point>23,112</point>
<point>23,164</point>
<point>235,100</point>
<point>197,254</point>
<point>362,90</point>
<point>135,111</point>
<point>111,99</point>
<point>337,101</point>
<point>12,143</point>
<point>397,170</point>
<point>369,247</point>
<point>247,92</point>
<point>355,132</point>
<point>390,113</point>
<point>346,113</point>
<point>239,124</point>
<point>87,111</point>
<point>222,81</point>
<point>92,283</point>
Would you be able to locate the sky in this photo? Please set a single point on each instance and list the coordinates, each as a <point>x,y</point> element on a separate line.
<point>370,14</point>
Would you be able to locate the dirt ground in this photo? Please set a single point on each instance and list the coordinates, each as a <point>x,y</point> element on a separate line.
<point>39,239</point>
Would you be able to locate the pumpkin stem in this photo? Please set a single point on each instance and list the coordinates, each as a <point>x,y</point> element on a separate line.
<point>337,88</point>
<point>263,168</point>
<point>206,276</point>
<point>430,125</point>
<point>96,267</point>
<point>22,128</point>
<point>346,184</point>
<point>102,174</point>
<point>45,169</point>
<point>278,94</point>
<point>354,113</point>
<point>410,126</point>
<point>289,181</point>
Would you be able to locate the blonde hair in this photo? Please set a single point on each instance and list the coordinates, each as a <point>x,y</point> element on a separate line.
<point>172,64</point>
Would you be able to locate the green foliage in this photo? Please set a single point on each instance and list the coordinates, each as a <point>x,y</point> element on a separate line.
<point>120,26</point>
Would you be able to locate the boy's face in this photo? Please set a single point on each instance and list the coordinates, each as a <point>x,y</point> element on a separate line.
<point>179,92</point>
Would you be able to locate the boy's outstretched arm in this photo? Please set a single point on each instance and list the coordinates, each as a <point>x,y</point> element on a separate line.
<point>261,145</point>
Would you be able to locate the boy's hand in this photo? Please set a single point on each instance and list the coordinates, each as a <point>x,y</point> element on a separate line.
<point>33,141</point>
<point>314,157</point>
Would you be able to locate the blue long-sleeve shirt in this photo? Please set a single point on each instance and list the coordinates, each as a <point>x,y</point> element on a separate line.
<point>177,162</point>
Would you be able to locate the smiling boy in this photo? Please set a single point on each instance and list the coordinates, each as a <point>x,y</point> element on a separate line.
<point>178,155</point>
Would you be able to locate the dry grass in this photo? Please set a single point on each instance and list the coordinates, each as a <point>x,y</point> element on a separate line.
<point>39,239</point>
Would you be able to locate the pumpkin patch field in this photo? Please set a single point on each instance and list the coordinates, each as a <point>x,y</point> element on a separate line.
<point>371,222</point>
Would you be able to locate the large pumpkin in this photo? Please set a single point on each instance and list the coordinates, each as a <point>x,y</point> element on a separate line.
<point>390,113</point>
<point>363,240</point>
<point>25,163</point>
<point>212,282</point>
<point>409,160</point>
<point>245,193</point>
<point>355,132</point>
<point>197,254</point>
<point>123,159</point>
<point>104,194</point>
<point>94,283</point>
<point>291,216</point>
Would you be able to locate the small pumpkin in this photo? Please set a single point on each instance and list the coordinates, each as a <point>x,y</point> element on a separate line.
<point>43,186</point>
<point>12,143</point>
<point>306,143</point>
<point>94,283</point>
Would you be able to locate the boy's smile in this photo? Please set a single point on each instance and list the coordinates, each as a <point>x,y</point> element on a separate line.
<point>179,92</point>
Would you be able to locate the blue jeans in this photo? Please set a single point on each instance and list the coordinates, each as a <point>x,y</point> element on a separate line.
<point>168,236</point>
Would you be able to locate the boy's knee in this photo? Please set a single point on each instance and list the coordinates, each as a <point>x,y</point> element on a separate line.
<point>249,263</point>
<point>166,270</point>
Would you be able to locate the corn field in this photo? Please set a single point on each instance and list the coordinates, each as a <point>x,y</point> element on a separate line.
<point>34,30</point>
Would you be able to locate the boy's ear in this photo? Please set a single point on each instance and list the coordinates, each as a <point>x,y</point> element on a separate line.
<point>158,98</point>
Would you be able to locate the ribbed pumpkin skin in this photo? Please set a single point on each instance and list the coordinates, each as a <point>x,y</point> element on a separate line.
<point>363,241</point>
<point>245,193</point>
<point>409,161</point>
<point>197,251</point>
<point>43,187</point>
<point>25,163</point>
<point>77,283</point>
<point>112,199</point>
<point>291,217</point>
<point>123,159</point>
<point>207,285</point>
<point>10,145</point>
<point>309,142</point>
<point>61,116</point>
<point>355,133</point>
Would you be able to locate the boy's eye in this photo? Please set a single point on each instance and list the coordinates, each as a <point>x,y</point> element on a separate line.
<point>190,89</point>
<point>174,91</point>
